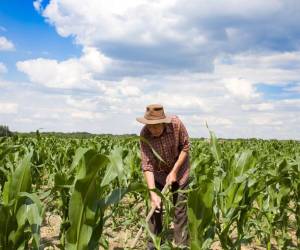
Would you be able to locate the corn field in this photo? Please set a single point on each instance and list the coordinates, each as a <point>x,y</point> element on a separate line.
<point>244,193</point>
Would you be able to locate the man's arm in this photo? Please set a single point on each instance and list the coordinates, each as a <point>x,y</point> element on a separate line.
<point>149,177</point>
<point>155,198</point>
<point>181,159</point>
<point>172,176</point>
<point>184,147</point>
<point>148,162</point>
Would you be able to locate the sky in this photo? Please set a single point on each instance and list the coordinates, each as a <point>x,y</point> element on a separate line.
<point>68,65</point>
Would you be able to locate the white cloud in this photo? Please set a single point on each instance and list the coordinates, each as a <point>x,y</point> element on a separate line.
<point>101,113</point>
<point>290,104</point>
<point>181,101</point>
<point>8,108</point>
<point>203,60</point>
<point>71,73</point>
<point>241,88</point>
<point>266,120</point>
<point>128,90</point>
<point>295,88</point>
<point>102,21</point>
<point>121,89</point>
<point>258,107</point>
<point>86,115</point>
<point>270,68</point>
<point>5,44</point>
<point>23,120</point>
<point>242,8</point>
<point>182,35</point>
<point>3,68</point>
<point>217,97</point>
<point>46,116</point>
<point>38,5</point>
<point>81,103</point>
<point>209,119</point>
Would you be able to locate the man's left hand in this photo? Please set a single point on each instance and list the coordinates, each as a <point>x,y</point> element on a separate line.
<point>171,178</point>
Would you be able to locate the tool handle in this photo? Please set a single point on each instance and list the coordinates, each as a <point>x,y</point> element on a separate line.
<point>147,219</point>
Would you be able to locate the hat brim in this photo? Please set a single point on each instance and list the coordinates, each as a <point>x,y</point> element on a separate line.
<point>146,121</point>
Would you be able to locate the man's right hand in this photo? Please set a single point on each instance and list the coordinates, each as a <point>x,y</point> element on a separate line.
<point>155,201</point>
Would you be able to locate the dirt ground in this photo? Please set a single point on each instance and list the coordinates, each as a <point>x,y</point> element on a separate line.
<point>50,231</point>
<point>118,239</point>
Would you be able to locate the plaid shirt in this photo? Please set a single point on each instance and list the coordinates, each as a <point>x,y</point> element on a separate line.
<point>173,140</point>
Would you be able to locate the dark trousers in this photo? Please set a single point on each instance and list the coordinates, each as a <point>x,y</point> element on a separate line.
<point>180,217</point>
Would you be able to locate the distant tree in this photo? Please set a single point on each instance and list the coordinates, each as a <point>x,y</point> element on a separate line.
<point>4,131</point>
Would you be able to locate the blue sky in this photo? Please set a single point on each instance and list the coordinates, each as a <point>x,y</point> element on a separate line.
<point>32,36</point>
<point>65,66</point>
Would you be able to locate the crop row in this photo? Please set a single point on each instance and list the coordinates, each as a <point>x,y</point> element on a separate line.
<point>243,192</point>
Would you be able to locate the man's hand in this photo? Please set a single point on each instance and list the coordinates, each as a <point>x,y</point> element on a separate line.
<point>155,201</point>
<point>171,178</point>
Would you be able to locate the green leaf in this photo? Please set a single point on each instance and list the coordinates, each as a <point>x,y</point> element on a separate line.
<point>114,168</point>
<point>20,180</point>
<point>83,202</point>
<point>200,214</point>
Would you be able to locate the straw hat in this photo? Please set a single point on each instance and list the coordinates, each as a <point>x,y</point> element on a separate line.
<point>154,114</point>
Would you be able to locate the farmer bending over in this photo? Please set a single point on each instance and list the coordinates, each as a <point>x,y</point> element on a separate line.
<point>169,138</point>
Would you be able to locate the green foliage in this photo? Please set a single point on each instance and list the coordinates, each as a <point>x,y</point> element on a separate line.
<point>20,211</point>
<point>243,191</point>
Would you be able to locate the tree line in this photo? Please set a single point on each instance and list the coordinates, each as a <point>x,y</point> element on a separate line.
<point>4,131</point>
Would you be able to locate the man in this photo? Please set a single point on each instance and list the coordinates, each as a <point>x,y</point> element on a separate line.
<point>169,138</point>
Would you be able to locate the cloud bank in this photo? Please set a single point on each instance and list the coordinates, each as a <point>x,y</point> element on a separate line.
<point>219,62</point>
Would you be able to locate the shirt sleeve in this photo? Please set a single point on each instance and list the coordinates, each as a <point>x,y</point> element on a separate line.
<point>147,156</point>
<point>184,144</point>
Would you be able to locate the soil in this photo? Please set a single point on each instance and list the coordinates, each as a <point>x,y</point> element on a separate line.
<point>119,237</point>
<point>50,231</point>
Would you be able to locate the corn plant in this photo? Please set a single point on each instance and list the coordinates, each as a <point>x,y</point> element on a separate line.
<point>90,196</point>
<point>20,211</point>
<point>243,191</point>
